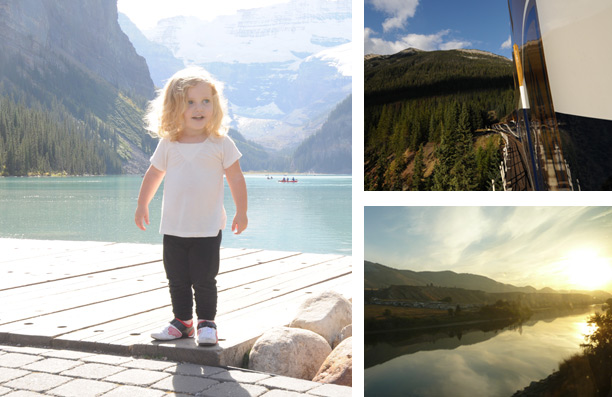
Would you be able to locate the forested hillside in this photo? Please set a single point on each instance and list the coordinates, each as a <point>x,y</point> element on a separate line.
<point>72,90</point>
<point>329,150</point>
<point>422,112</point>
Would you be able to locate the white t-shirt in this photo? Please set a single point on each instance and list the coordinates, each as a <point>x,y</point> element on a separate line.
<point>193,188</point>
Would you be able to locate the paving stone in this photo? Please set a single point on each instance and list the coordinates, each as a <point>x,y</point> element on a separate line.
<point>329,390</point>
<point>233,389</point>
<point>23,393</point>
<point>16,360</point>
<point>67,354</point>
<point>133,391</point>
<point>281,393</point>
<point>286,383</point>
<point>37,382</point>
<point>107,359</point>
<point>4,390</point>
<point>23,349</point>
<point>239,376</point>
<point>82,388</point>
<point>184,384</point>
<point>52,365</point>
<point>153,365</point>
<point>7,374</point>
<point>137,377</point>
<point>93,371</point>
<point>193,369</point>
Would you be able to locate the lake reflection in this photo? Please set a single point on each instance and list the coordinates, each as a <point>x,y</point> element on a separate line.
<point>471,363</point>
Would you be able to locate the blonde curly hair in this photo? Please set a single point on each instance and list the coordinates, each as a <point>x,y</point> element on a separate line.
<point>164,116</point>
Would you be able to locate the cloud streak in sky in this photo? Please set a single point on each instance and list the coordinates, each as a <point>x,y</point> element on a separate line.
<point>431,42</point>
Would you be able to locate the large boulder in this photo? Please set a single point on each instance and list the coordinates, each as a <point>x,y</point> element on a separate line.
<point>326,314</point>
<point>293,352</point>
<point>338,366</point>
<point>345,333</point>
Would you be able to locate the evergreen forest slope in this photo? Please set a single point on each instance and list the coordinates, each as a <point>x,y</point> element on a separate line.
<point>329,150</point>
<point>72,89</point>
<point>423,116</point>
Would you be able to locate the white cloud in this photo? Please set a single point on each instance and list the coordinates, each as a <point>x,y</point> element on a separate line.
<point>507,44</point>
<point>399,11</point>
<point>455,45</point>
<point>146,13</point>
<point>431,42</point>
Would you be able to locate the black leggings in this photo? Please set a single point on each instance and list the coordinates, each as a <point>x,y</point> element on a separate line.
<point>192,262</point>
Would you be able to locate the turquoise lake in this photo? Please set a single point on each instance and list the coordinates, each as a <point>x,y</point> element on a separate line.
<point>313,215</point>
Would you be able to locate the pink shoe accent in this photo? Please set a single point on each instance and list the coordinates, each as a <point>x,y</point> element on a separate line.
<point>174,332</point>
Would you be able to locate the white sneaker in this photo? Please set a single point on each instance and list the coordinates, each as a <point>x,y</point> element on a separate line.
<point>174,330</point>
<point>207,333</point>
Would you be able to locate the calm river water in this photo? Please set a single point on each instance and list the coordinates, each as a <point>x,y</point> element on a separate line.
<point>474,363</point>
<point>313,215</point>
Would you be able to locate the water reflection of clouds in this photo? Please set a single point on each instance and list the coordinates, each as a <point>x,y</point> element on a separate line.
<point>498,366</point>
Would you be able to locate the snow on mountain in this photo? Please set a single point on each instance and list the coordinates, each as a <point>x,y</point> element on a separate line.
<point>338,57</point>
<point>279,33</point>
<point>285,67</point>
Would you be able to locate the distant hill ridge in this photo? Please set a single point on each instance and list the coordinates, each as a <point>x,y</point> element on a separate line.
<point>380,276</point>
<point>377,276</point>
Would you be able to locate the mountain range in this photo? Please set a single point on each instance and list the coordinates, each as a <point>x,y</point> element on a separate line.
<point>377,276</point>
<point>73,88</point>
<point>285,66</point>
<point>380,276</point>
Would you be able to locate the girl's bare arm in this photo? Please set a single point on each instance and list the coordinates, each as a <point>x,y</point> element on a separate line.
<point>237,185</point>
<point>150,183</point>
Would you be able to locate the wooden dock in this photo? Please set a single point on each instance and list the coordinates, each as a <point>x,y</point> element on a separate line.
<point>109,297</point>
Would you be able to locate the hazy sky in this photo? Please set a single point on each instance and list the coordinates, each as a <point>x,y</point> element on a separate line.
<point>393,25</point>
<point>146,13</point>
<point>559,247</point>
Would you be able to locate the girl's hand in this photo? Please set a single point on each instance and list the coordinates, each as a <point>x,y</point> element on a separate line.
<point>142,213</point>
<point>239,223</point>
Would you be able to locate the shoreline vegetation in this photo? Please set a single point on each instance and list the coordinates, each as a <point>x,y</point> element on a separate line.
<point>409,307</point>
<point>381,318</point>
<point>584,374</point>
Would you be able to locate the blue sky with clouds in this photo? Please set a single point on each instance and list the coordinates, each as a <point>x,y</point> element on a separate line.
<point>559,247</point>
<point>393,25</point>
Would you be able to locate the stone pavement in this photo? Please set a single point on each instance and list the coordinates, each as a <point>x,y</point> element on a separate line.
<point>34,371</point>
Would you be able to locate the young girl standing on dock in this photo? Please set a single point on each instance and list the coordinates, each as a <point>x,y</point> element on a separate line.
<point>193,154</point>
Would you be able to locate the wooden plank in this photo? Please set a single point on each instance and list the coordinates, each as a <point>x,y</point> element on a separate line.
<point>67,294</point>
<point>77,317</point>
<point>257,318</point>
<point>112,302</point>
<point>54,324</point>
<point>20,249</point>
<point>44,270</point>
<point>148,322</point>
<point>237,332</point>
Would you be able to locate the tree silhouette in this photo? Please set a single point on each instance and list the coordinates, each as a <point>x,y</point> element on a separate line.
<point>600,340</point>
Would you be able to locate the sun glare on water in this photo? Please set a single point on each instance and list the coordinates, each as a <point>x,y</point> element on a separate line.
<point>586,270</point>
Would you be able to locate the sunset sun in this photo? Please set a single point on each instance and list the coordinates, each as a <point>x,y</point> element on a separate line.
<point>586,270</point>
